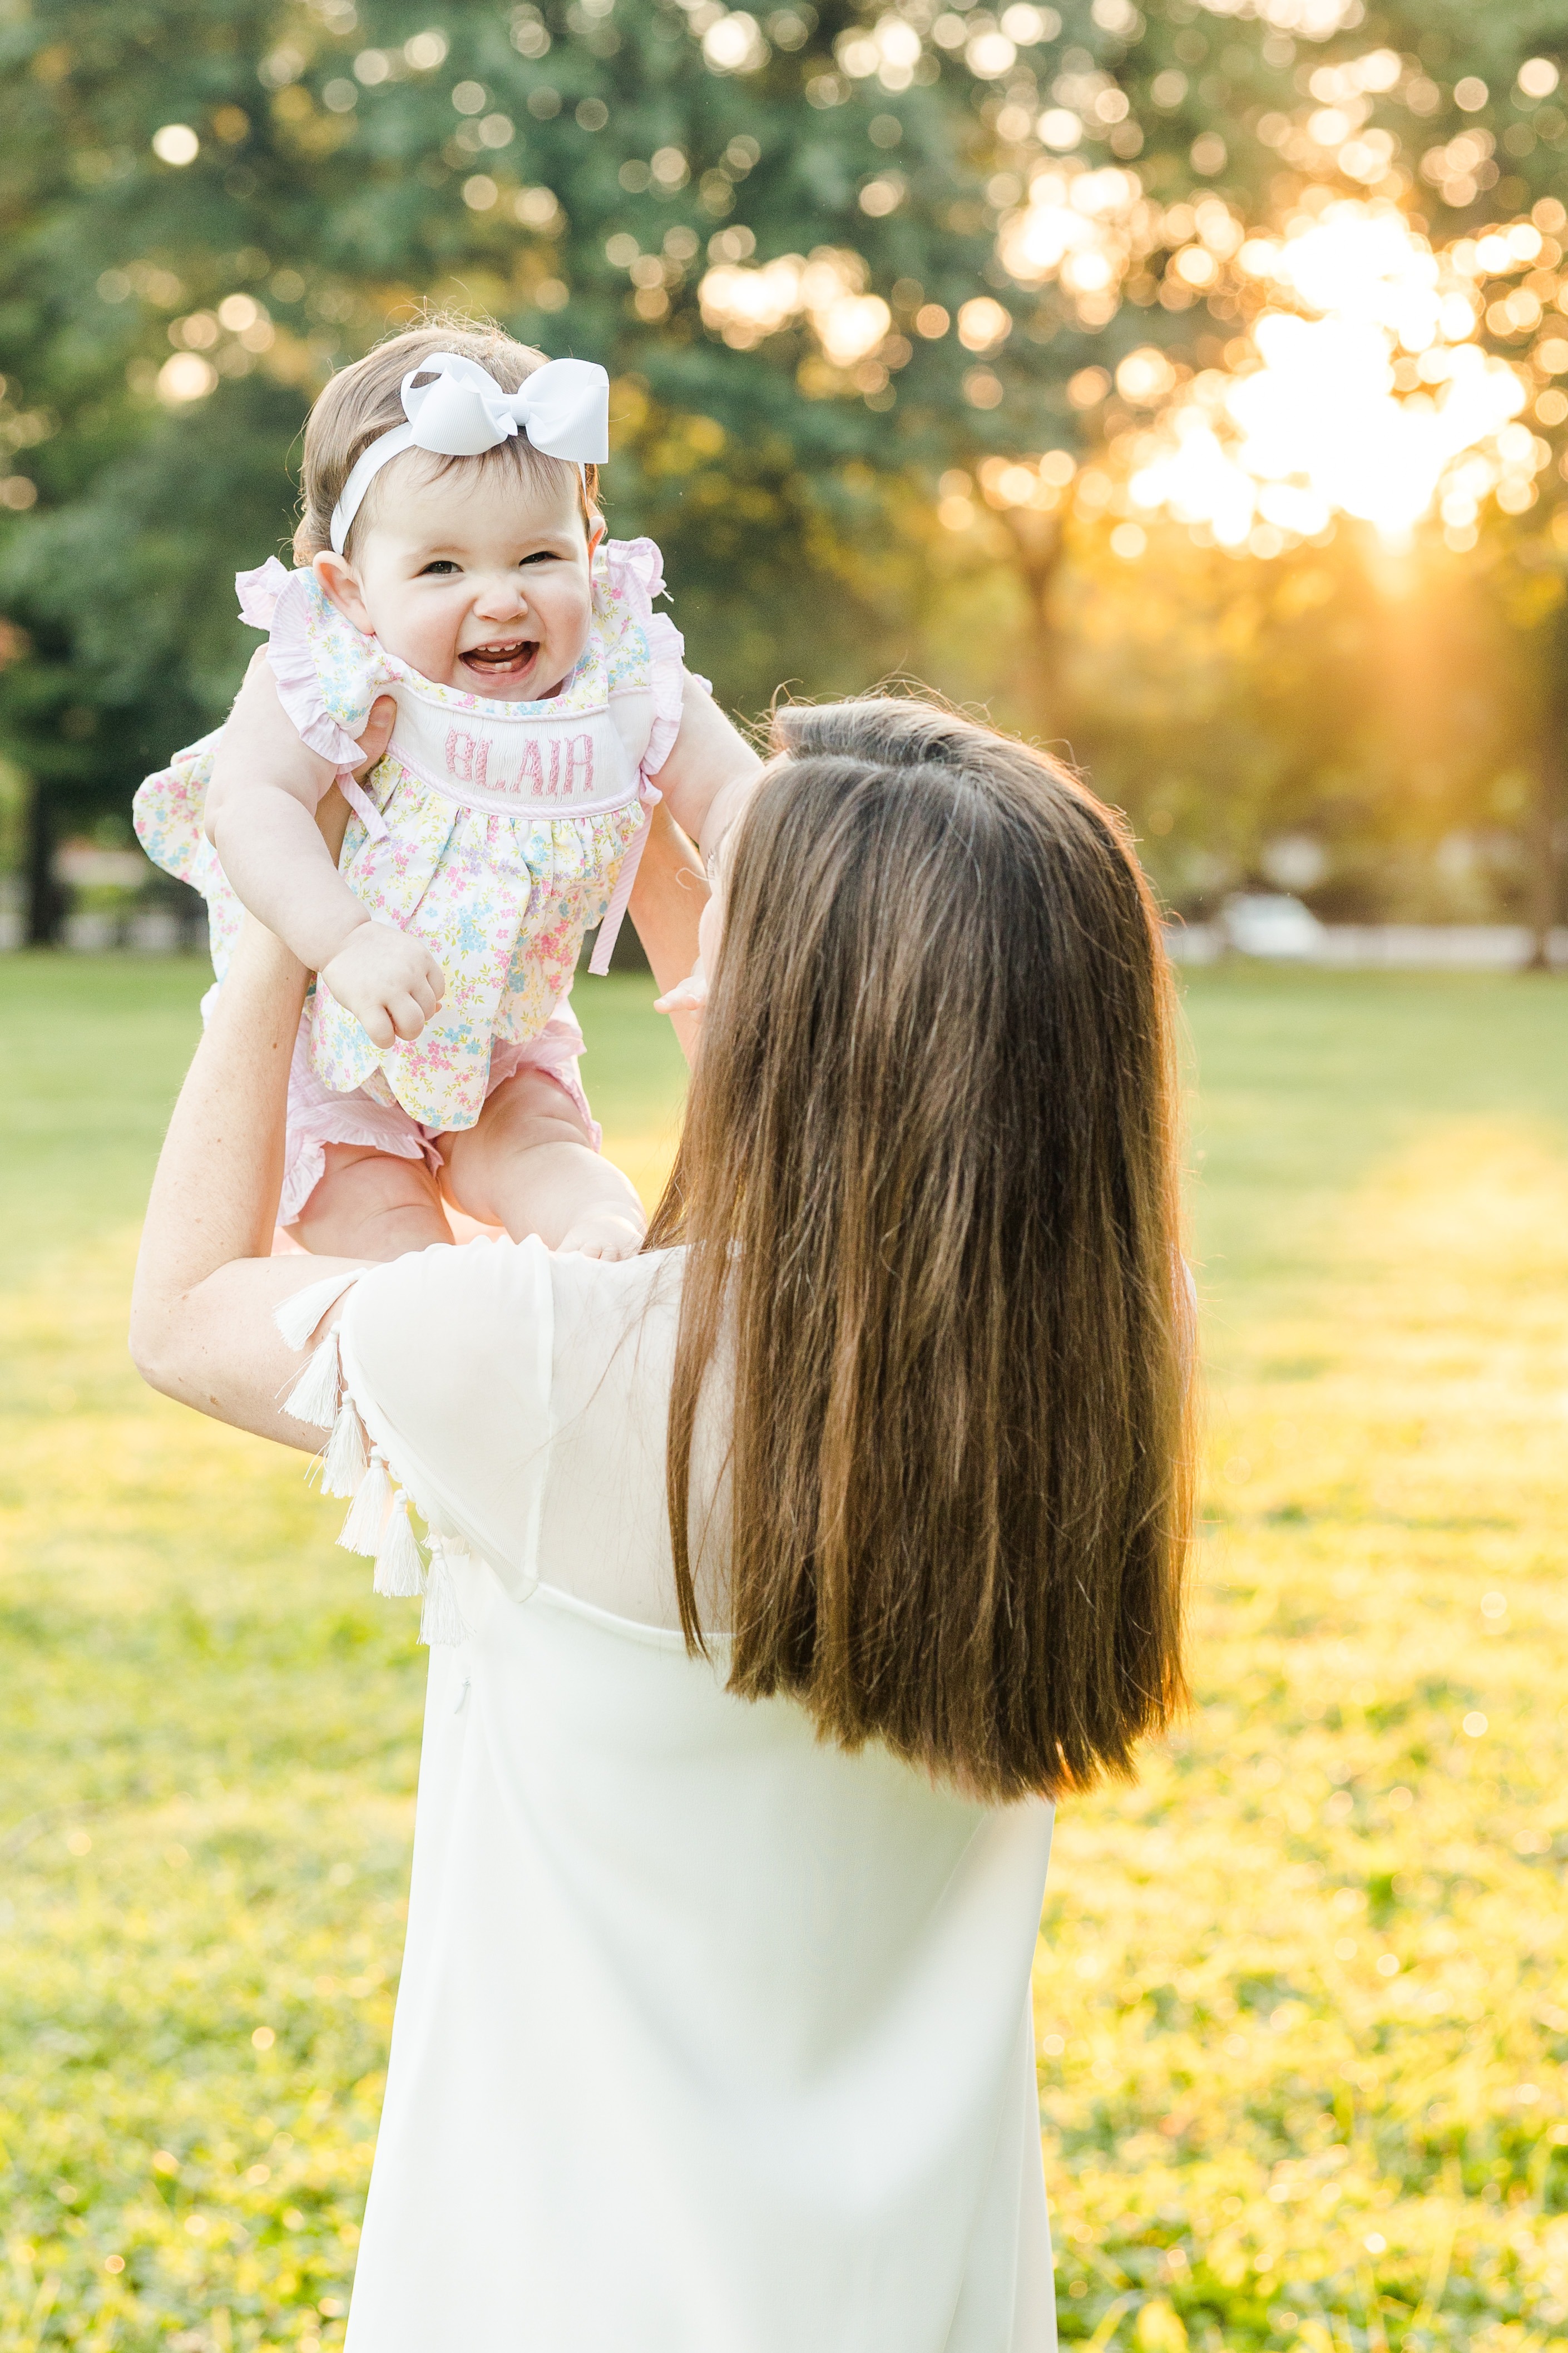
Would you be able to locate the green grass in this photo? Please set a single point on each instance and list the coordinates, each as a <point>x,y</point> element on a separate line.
<point>1302,1999</point>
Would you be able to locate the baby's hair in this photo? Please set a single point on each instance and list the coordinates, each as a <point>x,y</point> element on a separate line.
<point>364,401</point>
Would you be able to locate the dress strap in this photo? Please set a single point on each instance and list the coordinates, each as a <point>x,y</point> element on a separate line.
<point>610,929</point>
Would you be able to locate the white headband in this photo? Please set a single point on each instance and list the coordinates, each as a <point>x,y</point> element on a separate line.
<point>563,409</point>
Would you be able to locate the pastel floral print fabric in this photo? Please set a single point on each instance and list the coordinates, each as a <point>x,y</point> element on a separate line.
<point>496,833</point>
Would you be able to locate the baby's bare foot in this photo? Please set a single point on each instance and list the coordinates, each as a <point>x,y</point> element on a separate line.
<point>603,1233</point>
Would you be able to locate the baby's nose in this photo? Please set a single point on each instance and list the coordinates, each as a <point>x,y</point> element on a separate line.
<point>501,599</point>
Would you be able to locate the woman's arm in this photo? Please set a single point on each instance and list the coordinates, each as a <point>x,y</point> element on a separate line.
<point>200,1311</point>
<point>666,902</point>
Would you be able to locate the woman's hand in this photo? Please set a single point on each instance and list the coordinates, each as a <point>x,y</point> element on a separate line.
<point>689,996</point>
<point>377,734</point>
<point>207,1283</point>
<point>389,982</point>
<point>666,902</point>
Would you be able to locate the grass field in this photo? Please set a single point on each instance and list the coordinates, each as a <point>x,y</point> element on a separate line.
<point>1302,1994</point>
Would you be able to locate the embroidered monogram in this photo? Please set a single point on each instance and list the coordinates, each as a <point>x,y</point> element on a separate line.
<point>586,762</point>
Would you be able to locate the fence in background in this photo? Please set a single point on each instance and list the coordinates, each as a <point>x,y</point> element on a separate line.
<point>1346,948</point>
<point>1391,947</point>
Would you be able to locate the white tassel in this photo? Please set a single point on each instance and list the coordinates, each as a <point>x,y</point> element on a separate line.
<point>297,1317</point>
<point>314,1396</point>
<point>345,1458</point>
<point>399,1570</point>
<point>441,1621</point>
<point>362,1529</point>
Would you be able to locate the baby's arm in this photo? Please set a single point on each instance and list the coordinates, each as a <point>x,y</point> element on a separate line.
<point>712,771</point>
<point>262,820</point>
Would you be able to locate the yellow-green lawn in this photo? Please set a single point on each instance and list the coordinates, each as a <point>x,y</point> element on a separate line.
<point>1302,1994</point>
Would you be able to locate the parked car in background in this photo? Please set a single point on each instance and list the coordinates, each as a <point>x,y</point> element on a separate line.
<point>1274,925</point>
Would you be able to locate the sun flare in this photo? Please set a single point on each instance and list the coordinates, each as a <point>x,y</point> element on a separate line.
<point>1361,392</point>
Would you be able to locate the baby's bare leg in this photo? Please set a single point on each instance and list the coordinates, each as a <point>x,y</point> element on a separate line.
<point>527,1165</point>
<point>372,1205</point>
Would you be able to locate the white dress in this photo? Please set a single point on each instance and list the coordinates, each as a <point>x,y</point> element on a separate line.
<point>710,2038</point>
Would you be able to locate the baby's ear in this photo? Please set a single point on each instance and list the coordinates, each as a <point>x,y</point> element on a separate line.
<point>339,581</point>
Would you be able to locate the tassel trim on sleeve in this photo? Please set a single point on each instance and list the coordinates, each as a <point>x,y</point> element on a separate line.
<point>441,1623</point>
<point>314,1396</point>
<point>378,1525</point>
<point>362,1529</point>
<point>399,1567</point>
<point>297,1315</point>
<point>345,1458</point>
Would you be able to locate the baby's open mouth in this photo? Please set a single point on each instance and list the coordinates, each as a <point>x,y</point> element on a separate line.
<point>506,658</point>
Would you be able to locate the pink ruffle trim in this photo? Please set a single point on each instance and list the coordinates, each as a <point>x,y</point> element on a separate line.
<point>637,573</point>
<point>260,591</point>
<point>293,666</point>
<point>666,647</point>
<point>636,563</point>
<point>273,600</point>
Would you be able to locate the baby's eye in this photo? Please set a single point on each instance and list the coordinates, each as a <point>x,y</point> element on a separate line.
<point>539,556</point>
<point>437,568</point>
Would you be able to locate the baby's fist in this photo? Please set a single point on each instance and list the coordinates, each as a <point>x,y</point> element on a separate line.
<point>388,982</point>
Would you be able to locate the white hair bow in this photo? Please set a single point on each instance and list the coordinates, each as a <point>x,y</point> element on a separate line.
<point>562,409</point>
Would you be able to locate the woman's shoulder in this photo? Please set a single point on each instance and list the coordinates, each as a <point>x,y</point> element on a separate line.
<point>597,1287</point>
<point>465,1306</point>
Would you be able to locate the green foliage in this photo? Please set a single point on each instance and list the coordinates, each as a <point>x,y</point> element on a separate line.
<point>1314,685</point>
<point>575,169</point>
<point>339,203</point>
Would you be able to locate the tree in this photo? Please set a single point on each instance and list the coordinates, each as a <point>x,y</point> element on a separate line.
<point>210,205</point>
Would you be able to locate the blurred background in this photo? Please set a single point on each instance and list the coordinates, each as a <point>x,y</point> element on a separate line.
<point>1185,382</point>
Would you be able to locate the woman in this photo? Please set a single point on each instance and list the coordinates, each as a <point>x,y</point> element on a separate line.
<point>810,1554</point>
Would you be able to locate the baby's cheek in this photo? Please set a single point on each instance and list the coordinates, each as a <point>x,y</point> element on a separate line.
<point>424,639</point>
<point>571,625</point>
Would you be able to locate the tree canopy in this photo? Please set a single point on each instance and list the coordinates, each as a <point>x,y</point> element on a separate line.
<point>847,265</point>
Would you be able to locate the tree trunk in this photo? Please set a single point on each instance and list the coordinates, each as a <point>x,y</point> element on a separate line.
<point>1543,834</point>
<point>1544,886</point>
<point>45,900</point>
<point>1039,540</point>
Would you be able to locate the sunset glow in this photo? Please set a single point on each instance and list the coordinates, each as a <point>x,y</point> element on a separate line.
<point>1368,396</point>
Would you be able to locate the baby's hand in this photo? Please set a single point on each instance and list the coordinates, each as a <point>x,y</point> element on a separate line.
<point>388,982</point>
<point>603,1232</point>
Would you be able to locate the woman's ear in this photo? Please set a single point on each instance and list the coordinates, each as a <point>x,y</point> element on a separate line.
<point>338,580</point>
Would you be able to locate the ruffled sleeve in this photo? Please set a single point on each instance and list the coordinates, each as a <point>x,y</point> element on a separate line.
<point>447,1355</point>
<point>258,592</point>
<point>636,576</point>
<point>293,655</point>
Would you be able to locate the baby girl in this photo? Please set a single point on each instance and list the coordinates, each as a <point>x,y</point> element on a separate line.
<point>482,674</point>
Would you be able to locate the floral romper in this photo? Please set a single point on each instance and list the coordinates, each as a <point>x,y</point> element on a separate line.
<point>495,833</point>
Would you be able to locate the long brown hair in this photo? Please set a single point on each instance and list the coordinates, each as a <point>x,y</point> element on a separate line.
<point>928,1190</point>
